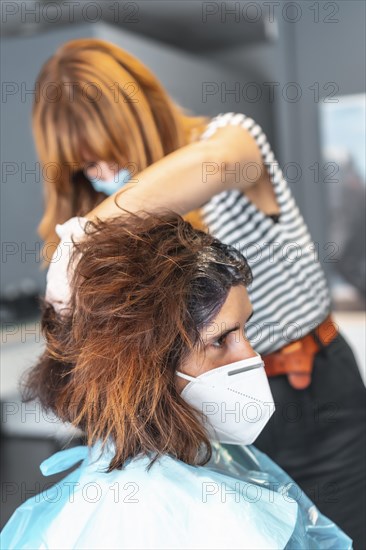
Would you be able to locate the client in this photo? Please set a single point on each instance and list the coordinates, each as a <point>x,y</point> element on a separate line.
<point>149,359</point>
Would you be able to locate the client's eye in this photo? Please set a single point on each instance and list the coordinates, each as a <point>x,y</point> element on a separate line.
<point>219,342</point>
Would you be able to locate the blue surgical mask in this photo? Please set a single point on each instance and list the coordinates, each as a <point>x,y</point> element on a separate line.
<point>111,186</point>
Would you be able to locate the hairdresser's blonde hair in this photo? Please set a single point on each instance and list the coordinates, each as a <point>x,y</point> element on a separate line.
<point>94,99</point>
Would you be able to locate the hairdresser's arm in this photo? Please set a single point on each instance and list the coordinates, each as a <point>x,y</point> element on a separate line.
<point>187,178</point>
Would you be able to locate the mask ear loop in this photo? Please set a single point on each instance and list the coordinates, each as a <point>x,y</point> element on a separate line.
<point>185,376</point>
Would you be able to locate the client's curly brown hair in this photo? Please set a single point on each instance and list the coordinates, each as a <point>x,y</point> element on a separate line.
<point>143,288</point>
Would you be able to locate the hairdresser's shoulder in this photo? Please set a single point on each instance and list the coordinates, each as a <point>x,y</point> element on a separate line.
<point>235,138</point>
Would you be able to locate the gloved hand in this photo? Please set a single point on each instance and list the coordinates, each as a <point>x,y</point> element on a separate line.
<point>59,273</point>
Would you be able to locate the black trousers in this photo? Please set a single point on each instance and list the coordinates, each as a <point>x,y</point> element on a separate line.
<point>318,436</point>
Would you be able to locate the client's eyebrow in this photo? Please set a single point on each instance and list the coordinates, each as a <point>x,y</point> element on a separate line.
<point>227,331</point>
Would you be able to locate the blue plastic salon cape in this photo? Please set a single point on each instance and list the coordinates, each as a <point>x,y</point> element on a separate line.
<point>225,504</point>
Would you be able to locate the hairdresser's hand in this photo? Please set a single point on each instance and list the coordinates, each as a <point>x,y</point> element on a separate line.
<point>59,272</point>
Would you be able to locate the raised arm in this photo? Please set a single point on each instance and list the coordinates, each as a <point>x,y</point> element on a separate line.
<point>182,181</point>
<point>187,178</point>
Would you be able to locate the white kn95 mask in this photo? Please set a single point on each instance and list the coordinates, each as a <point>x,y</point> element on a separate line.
<point>235,400</point>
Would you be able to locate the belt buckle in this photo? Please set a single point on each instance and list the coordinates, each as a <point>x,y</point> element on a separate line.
<point>292,348</point>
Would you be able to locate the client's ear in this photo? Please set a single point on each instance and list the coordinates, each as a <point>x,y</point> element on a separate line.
<point>180,382</point>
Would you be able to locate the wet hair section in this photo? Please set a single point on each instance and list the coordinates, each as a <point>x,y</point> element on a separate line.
<point>218,268</point>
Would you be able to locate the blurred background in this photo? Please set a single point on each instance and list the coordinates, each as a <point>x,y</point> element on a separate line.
<point>298,68</point>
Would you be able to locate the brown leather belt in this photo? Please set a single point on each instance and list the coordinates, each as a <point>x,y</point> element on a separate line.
<point>296,359</point>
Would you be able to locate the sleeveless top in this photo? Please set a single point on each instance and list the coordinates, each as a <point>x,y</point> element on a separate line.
<point>289,292</point>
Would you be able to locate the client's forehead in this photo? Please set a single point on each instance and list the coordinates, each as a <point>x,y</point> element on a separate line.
<point>236,309</point>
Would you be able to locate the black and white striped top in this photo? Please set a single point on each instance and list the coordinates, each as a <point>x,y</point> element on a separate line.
<point>289,292</point>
